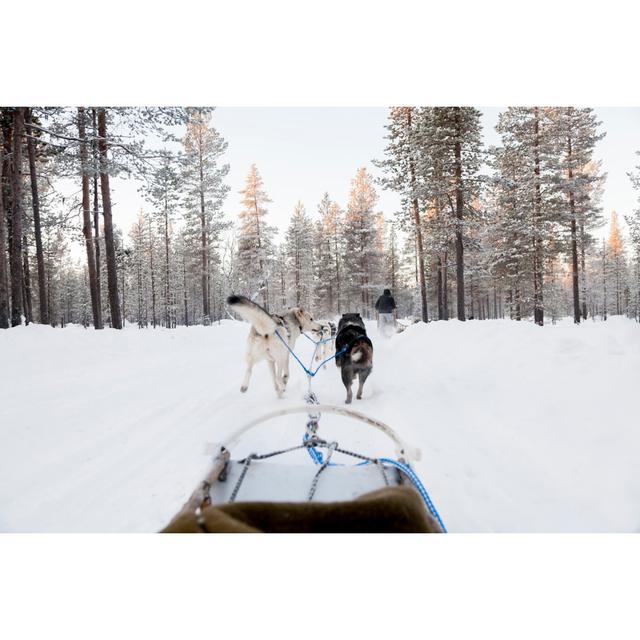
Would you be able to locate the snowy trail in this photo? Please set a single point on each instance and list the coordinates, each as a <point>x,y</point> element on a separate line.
<point>521,429</point>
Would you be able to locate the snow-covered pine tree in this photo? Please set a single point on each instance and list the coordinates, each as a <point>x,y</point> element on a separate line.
<point>279,277</point>
<point>450,171</point>
<point>299,256</point>
<point>633,222</point>
<point>87,226</point>
<point>361,256</point>
<point>205,192</point>
<point>15,238</point>
<point>404,159</point>
<point>36,165</point>
<point>324,260</point>
<point>617,264</point>
<point>162,191</point>
<point>255,238</point>
<point>333,230</point>
<point>576,133</point>
<point>527,203</point>
<point>589,218</point>
<point>140,278</point>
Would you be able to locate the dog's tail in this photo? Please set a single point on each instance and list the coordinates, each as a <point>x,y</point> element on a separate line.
<point>253,313</point>
<point>361,351</point>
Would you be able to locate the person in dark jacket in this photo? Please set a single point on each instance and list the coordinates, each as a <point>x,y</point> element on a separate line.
<point>386,308</point>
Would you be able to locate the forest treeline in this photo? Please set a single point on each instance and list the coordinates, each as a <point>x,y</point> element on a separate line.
<point>510,231</point>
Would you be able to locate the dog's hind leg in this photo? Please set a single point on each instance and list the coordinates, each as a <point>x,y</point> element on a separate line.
<point>363,374</point>
<point>276,380</point>
<point>247,376</point>
<point>284,375</point>
<point>347,380</point>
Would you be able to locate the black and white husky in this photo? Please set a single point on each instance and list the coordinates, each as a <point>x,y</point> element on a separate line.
<point>264,344</point>
<point>357,358</point>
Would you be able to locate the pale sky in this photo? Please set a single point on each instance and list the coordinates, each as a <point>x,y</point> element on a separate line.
<point>303,152</point>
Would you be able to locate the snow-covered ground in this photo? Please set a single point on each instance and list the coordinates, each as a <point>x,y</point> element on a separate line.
<point>520,428</point>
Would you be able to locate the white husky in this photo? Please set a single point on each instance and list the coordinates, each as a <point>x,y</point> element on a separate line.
<point>264,344</point>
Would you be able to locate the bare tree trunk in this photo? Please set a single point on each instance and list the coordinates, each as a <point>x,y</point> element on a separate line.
<point>26,281</point>
<point>152,273</point>
<point>439,288</point>
<point>167,312</point>
<point>96,211</point>
<point>35,200</point>
<point>112,274</point>
<point>204,247</point>
<point>184,280</point>
<point>337,257</point>
<point>86,222</point>
<point>123,285</point>
<point>574,241</point>
<point>538,260</point>
<point>584,271</point>
<point>604,279</point>
<point>459,217</point>
<point>415,211</point>
<point>445,286</point>
<point>139,287</point>
<point>4,275</point>
<point>16,220</point>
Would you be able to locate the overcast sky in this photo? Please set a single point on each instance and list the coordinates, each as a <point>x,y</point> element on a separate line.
<point>303,152</point>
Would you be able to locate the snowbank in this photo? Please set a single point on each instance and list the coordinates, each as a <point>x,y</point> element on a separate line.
<point>521,428</point>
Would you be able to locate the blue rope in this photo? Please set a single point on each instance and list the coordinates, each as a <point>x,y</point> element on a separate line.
<point>317,342</point>
<point>411,474</point>
<point>310,373</point>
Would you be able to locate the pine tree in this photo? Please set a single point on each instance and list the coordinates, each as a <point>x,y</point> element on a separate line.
<point>633,222</point>
<point>451,165</point>
<point>205,192</point>
<point>333,229</point>
<point>401,166</point>
<point>162,190</point>
<point>37,228</point>
<point>87,227</point>
<point>255,238</point>
<point>525,166</point>
<point>576,133</point>
<point>361,255</point>
<point>299,255</point>
<point>616,254</point>
<point>16,263</point>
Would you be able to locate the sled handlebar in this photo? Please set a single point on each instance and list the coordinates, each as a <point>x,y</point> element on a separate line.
<point>403,451</point>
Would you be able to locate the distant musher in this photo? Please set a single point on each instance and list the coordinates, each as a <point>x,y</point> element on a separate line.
<point>386,308</point>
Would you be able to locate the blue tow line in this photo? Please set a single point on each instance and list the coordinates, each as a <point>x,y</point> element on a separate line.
<point>318,459</point>
<point>309,372</point>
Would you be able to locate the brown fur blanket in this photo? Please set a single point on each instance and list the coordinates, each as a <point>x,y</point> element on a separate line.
<point>388,510</point>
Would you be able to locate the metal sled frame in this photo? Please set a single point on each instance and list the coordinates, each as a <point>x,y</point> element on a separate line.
<point>202,497</point>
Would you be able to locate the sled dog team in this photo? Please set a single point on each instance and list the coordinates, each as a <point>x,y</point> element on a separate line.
<point>351,336</point>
